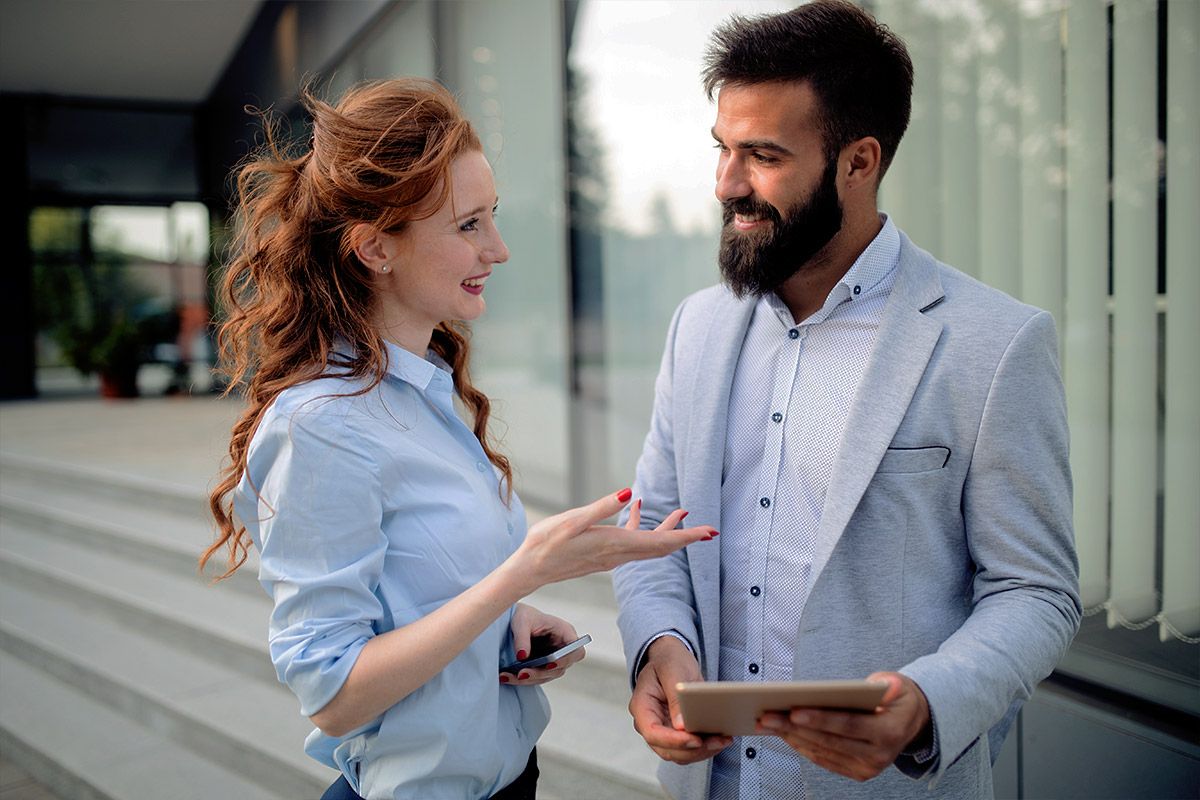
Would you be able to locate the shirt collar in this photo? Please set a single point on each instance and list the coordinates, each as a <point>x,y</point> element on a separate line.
<point>426,373</point>
<point>867,272</point>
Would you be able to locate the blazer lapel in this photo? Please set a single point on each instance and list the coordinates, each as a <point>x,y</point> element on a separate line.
<point>703,462</point>
<point>903,346</point>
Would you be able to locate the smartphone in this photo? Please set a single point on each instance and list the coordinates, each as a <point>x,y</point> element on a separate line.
<point>536,660</point>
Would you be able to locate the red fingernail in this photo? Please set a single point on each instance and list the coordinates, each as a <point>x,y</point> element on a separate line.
<point>715,533</point>
<point>504,679</point>
<point>684,515</point>
<point>552,665</point>
<point>624,495</point>
<point>523,676</point>
<point>522,655</point>
<point>639,504</point>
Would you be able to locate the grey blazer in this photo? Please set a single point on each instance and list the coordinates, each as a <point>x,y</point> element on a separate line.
<point>945,549</point>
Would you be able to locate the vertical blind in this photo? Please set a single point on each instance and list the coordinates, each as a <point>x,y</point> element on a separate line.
<point>1054,153</point>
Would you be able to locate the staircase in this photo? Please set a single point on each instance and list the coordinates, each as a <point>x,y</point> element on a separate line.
<point>125,676</point>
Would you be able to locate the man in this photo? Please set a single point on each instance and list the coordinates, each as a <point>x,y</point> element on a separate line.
<point>880,439</point>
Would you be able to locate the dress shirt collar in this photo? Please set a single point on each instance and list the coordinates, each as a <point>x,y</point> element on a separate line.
<point>426,374</point>
<point>429,373</point>
<point>865,274</point>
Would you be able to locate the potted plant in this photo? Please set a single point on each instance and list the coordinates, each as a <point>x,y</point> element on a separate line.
<point>114,350</point>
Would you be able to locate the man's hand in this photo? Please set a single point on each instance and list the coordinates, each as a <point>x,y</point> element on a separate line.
<point>859,746</point>
<point>655,707</point>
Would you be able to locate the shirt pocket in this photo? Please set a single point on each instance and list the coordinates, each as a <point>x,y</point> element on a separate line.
<point>913,459</point>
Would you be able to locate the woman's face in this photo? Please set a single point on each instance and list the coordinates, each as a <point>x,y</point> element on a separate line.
<point>440,263</point>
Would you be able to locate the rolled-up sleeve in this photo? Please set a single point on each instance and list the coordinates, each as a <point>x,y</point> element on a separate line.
<point>322,546</point>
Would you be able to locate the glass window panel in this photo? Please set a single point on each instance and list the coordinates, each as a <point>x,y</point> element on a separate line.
<point>646,222</point>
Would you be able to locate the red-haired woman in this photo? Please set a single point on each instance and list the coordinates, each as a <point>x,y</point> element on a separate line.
<point>389,536</point>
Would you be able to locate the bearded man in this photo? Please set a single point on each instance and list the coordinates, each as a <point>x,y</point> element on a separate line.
<point>880,439</point>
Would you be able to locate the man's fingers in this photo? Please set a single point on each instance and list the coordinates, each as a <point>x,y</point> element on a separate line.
<point>895,685</point>
<point>860,727</point>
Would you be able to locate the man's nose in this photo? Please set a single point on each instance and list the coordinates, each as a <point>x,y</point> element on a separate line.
<point>732,180</point>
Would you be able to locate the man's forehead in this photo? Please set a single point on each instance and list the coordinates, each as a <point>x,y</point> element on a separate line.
<point>768,111</point>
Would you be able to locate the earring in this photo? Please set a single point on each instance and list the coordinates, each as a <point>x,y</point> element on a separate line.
<point>385,269</point>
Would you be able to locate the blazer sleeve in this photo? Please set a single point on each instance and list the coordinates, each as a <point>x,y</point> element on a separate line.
<point>1016,507</point>
<point>655,596</point>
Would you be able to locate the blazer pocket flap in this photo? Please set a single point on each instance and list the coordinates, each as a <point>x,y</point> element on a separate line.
<point>914,459</point>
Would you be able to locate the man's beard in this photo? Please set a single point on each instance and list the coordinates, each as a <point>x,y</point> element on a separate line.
<point>756,263</point>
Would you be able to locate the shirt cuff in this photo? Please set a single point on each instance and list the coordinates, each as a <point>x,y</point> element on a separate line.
<point>917,763</point>
<point>641,659</point>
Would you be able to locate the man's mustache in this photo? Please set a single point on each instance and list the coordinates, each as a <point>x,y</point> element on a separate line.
<point>749,207</point>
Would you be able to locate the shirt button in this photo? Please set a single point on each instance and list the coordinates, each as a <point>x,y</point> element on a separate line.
<point>751,752</point>
<point>793,334</point>
<point>765,502</point>
<point>755,591</point>
<point>858,290</point>
<point>510,529</point>
<point>777,417</point>
<point>480,466</point>
<point>753,669</point>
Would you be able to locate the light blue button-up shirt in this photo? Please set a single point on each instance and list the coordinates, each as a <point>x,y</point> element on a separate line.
<point>790,398</point>
<point>371,512</point>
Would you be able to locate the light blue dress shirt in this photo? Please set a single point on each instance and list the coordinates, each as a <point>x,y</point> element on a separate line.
<point>370,512</point>
<point>791,395</point>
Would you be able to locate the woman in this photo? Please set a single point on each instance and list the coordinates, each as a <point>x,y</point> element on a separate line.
<point>391,541</point>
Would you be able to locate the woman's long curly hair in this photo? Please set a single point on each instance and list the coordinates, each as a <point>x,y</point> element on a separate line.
<point>293,287</point>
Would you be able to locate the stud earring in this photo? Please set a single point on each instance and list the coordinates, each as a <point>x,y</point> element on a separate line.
<point>385,269</point>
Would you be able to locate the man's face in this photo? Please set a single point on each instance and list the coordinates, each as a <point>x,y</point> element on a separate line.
<point>777,188</point>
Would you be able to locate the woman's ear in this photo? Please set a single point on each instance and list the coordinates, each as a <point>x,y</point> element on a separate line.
<point>370,245</point>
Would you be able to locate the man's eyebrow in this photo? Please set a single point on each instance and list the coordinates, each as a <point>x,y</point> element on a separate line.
<point>756,144</point>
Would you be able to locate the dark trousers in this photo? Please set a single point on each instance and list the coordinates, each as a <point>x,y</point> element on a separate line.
<point>523,788</point>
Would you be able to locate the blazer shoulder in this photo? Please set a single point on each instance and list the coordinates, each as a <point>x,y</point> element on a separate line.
<point>966,299</point>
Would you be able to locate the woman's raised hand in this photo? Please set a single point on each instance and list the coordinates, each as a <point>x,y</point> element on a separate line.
<point>573,543</point>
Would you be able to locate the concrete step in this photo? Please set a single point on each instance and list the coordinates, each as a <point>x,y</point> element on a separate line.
<point>170,543</point>
<point>250,727</point>
<point>84,750</point>
<point>73,480</point>
<point>186,613</point>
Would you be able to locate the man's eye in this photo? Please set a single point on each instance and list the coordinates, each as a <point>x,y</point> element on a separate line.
<point>764,159</point>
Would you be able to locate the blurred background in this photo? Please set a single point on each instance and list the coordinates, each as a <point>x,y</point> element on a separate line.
<point>1054,153</point>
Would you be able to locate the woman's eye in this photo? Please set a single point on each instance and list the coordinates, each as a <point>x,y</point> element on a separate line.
<point>470,225</point>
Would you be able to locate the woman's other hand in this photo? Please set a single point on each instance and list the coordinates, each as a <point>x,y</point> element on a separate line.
<point>528,622</point>
<point>573,543</point>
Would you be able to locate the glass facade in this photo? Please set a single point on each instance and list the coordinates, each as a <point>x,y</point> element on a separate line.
<point>112,279</point>
<point>1053,153</point>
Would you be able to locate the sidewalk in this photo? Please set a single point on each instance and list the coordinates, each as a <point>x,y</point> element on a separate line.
<point>179,440</point>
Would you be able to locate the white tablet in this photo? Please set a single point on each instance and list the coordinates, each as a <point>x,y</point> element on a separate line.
<point>733,707</point>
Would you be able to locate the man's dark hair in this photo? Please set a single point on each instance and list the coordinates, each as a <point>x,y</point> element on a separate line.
<point>859,69</point>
